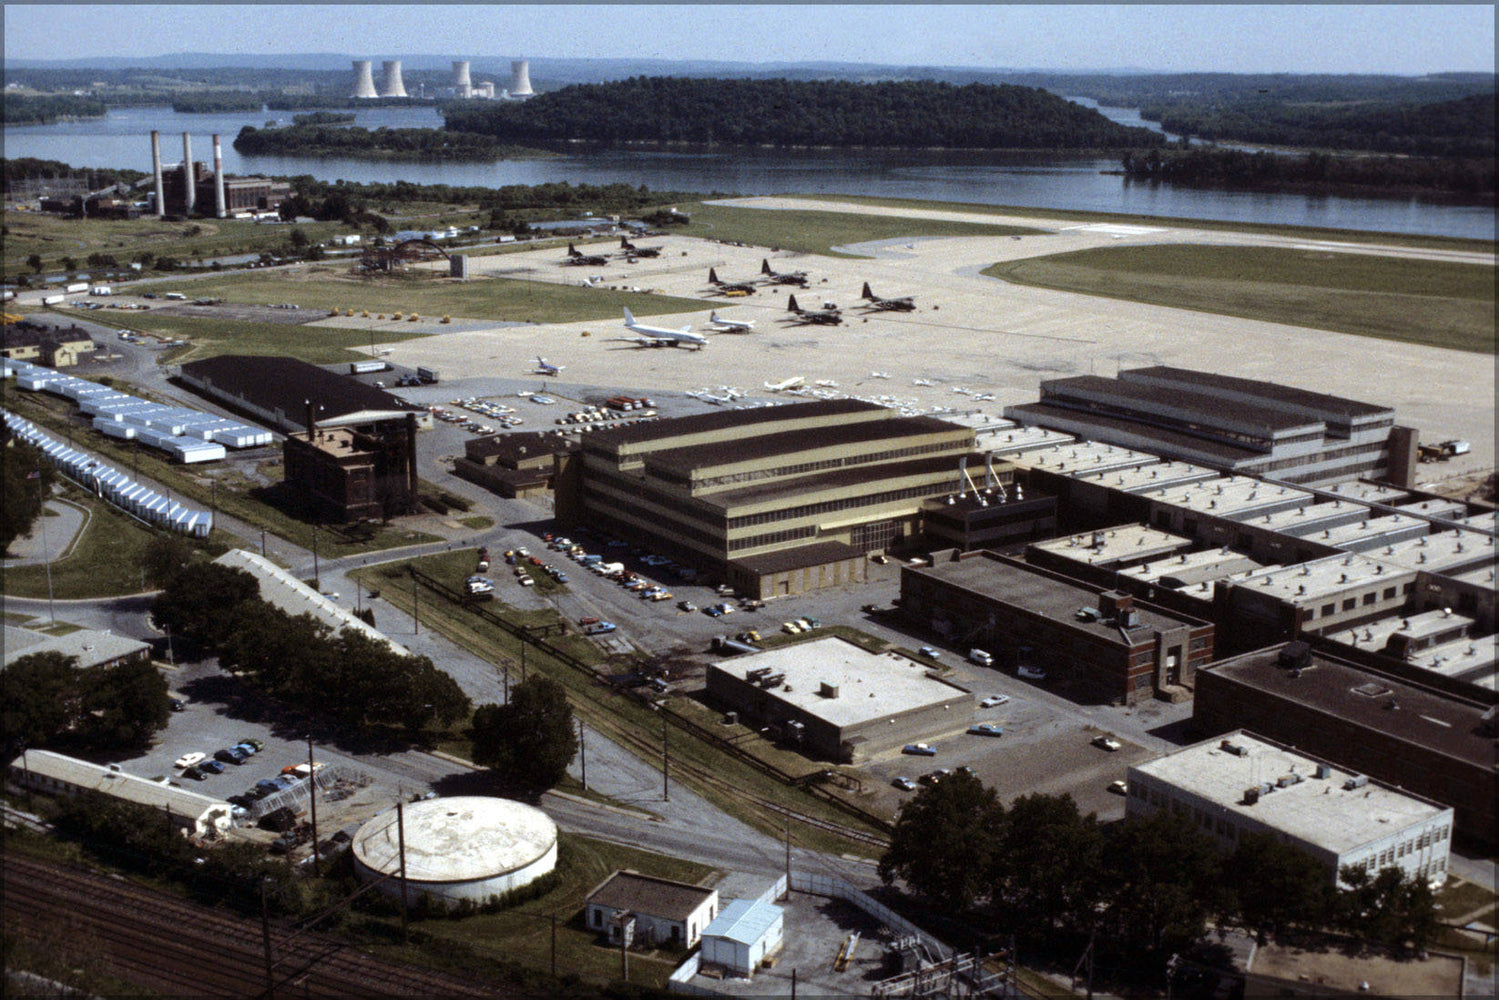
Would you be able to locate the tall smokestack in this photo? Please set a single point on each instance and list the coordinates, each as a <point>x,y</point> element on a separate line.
<point>364,80</point>
<point>161,200</point>
<point>189,184</point>
<point>218,179</point>
<point>462,84</point>
<point>520,79</point>
<point>390,79</point>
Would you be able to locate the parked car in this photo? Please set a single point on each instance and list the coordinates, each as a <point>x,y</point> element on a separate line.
<point>932,777</point>
<point>194,773</point>
<point>904,784</point>
<point>600,628</point>
<point>589,620</point>
<point>210,766</point>
<point>249,749</point>
<point>919,749</point>
<point>1107,743</point>
<point>986,729</point>
<point>178,705</point>
<point>189,759</point>
<point>1031,673</point>
<point>713,612</point>
<point>266,786</point>
<point>231,755</point>
<point>790,628</point>
<point>994,699</point>
<point>687,605</point>
<point>930,653</point>
<point>1119,787</point>
<point>253,743</point>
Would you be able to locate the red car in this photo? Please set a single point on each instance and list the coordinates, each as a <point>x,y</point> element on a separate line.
<point>588,621</point>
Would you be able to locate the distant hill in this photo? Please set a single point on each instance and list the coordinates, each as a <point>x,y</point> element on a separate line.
<point>801,113</point>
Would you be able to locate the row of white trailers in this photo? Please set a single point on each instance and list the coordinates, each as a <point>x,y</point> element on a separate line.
<point>186,435</point>
<point>110,483</point>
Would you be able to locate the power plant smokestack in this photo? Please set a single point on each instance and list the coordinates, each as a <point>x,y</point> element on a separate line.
<point>520,79</point>
<point>364,79</point>
<point>189,184</point>
<point>161,197</point>
<point>218,179</point>
<point>390,79</point>
<point>461,82</point>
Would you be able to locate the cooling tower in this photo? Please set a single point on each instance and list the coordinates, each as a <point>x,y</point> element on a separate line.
<point>520,79</point>
<point>390,79</point>
<point>461,82</point>
<point>364,79</point>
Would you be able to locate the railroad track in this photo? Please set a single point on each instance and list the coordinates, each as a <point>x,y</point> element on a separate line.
<point>178,948</point>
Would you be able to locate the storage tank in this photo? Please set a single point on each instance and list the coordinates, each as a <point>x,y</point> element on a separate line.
<point>470,847</point>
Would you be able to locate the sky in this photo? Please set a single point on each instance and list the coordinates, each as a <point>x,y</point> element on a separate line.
<point>1404,39</point>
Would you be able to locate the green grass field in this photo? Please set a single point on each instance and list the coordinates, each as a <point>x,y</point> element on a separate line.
<point>1300,232</point>
<point>817,231</point>
<point>1433,303</point>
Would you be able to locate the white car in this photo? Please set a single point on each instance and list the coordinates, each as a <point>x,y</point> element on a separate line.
<point>189,759</point>
<point>994,699</point>
<point>1107,743</point>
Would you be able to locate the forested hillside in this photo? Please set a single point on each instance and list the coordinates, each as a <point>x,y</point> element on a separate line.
<point>1466,178</point>
<point>393,143</point>
<point>802,113</point>
<point>21,109</point>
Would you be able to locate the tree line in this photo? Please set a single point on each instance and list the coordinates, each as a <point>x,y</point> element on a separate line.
<point>28,168</point>
<point>26,109</point>
<point>1367,175</point>
<point>1142,889</point>
<point>385,143</point>
<point>800,113</point>
<point>51,702</point>
<point>345,675</point>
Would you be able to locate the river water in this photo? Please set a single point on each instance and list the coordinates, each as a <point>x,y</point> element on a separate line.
<point>121,139</point>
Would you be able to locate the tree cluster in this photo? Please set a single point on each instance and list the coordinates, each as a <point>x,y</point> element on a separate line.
<point>49,701</point>
<point>24,109</point>
<point>220,103</point>
<point>347,675</point>
<point>1473,178</point>
<point>529,741</point>
<point>27,168</point>
<point>801,113</point>
<point>22,494</point>
<point>1146,887</point>
<point>388,143</point>
<point>324,118</point>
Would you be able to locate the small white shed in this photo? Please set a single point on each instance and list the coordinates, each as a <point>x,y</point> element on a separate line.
<point>743,934</point>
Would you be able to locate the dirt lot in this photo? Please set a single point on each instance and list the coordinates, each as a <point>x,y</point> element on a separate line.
<point>1437,976</point>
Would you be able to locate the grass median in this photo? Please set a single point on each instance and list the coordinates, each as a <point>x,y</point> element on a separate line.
<point>1431,303</point>
<point>816,231</point>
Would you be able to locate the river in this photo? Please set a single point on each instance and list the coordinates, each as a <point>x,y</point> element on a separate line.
<point>121,139</point>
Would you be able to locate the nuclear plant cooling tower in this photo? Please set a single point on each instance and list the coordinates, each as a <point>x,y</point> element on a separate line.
<point>520,79</point>
<point>462,85</point>
<point>364,80</point>
<point>390,79</point>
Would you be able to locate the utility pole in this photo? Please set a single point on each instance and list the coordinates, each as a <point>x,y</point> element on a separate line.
<point>401,836</point>
<point>788,860</point>
<point>262,543</point>
<point>583,753</point>
<point>41,502</point>
<point>171,654</point>
<point>317,860</point>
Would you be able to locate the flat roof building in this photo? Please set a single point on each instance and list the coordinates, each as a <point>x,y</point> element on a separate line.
<point>58,774</point>
<point>1107,548</point>
<point>1436,640</point>
<point>777,500</point>
<point>1101,641</point>
<point>649,910</point>
<point>1417,737</point>
<point>1311,598</point>
<point>283,590</point>
<point>837,701</point>
<point>1241,425</point>
<point>1240,783</point>
<point>92,647</point>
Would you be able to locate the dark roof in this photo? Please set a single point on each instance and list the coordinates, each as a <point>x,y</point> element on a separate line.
<point>285,384</point>
<point>1329,686</point>
<point>34,334</point>
<point>517,447</point>
<point>801,557</point>
<point>647,894</point>
<point>724,419</point>
<point>1271,392</point>
<point>749,449</point>
<point>1045,593</point>
<point>787,489</point>
<point>1167,443</point>
<point>1192,406</point>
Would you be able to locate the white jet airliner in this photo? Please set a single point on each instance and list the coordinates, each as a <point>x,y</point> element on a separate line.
<point>741,325</point>
<point>660,336</point>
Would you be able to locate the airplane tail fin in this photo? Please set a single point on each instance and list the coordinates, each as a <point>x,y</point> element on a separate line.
<point>712,276</point>
<point>629,318</point>
<point>791,305</point>
<point>867,293</point>
<point>713,316</point>
<point>764,265</point>
<point>624,244</point>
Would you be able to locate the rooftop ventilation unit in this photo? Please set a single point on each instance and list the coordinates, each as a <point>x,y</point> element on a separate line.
<point>1229,746</point>
<point>1355,782</point>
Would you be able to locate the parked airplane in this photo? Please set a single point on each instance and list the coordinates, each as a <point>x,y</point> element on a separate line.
<point>791,383</point>
<point>545,368</point>
<point>631,250</point>
<point>828,315</point>
<point>898,305</point>
<point>744,287</point>
<point>739,325</point>
<point>577,258</point>
<point>782,277</point>
<point>660,336</point>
